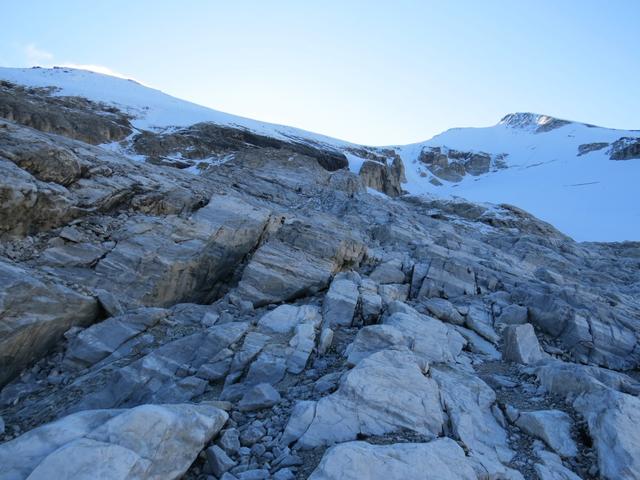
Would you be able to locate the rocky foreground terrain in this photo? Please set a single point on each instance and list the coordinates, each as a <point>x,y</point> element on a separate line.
<point>274,316</point>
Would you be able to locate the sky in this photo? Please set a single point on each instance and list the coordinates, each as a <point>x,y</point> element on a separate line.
<point>371,72</point>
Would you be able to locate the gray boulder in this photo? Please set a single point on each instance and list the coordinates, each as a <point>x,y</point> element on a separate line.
<point>285,318</point>
<point>387,273</point>
<point>146,442</point>
<point>384,393</point>
<point>513,315</point>
<point>552,426</point>
<point>340,303</point>
<point>259,397</point>
<point>444,310</point>
<point>521,344</point>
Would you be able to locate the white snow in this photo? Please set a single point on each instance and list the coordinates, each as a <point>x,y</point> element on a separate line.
<point>588,197</point>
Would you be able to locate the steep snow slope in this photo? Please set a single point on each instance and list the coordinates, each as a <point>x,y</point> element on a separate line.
<point>588,196</point>
<point>151,108</point>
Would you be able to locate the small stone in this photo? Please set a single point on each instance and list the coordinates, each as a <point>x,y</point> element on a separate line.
<point>261,396</point>
<point>256,474</point>
<point>512,413</point>
<point>444,310</point>
<point>230,441</point>
<point>284,474</point>
<point>251,435</point>
<point>209,319</point>
<point>218,461</point>
<point>326,339</point>
<point>258,449</point>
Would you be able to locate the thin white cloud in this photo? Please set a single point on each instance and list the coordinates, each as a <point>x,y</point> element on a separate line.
<point>95,68</point>
<point>36,56</point>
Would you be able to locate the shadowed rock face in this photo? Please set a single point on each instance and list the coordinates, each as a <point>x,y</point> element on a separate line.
<point>625,149</point>
<point>401,335</point>
<point>204,140</point>
<point>73,117</point>
<point>453,165</point>
<point>591,147</point>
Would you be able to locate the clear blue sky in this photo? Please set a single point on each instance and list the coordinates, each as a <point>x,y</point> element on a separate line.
<point>371,72</point>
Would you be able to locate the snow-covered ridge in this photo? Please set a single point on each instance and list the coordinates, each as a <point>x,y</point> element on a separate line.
<point>151,109</point>
<point>559,170</point>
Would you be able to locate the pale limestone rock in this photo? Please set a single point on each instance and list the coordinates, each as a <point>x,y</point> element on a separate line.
<point>521,344</point>
<point>387,273</point>
<point>146,442</point>
<point>613,420</point>
<point>285,318</point>
<point>440,459</point>
<point>444,310</point>
<point>552,426</point>
<point>468,402</point>
<point>385,392</point>
<point>340,303</point>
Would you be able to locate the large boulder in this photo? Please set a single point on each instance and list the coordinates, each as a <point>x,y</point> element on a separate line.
<point>613,419</point>
<point>386,392</point>
<point>34,315</point>
<point>159,376</point>
<point>440,459</point>
<point>146,442</point>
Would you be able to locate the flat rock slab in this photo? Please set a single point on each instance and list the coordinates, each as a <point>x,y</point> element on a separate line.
<point>441,459</point>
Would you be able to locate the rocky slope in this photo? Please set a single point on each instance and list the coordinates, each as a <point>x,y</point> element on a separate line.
<point>272,317</point>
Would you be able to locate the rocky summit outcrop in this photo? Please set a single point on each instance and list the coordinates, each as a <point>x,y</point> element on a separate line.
<point>453,165</point>
<point>269,316</point>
